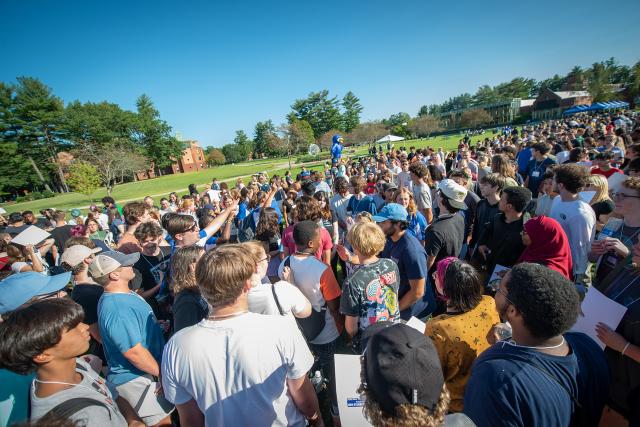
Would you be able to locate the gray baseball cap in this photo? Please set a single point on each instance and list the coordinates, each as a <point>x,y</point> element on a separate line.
<point>110,261</point>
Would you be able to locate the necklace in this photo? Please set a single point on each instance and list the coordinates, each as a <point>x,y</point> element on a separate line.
<point>227,316</point>
<point>97,385</point>
<point>535,347</point>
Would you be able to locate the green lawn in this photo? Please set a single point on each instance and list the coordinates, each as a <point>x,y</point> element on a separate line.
<point>160,187</point>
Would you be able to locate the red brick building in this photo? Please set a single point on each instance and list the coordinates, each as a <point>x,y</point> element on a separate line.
<point>192,159</point>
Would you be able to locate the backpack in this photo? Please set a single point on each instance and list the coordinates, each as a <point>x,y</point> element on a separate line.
<point>310,326</point>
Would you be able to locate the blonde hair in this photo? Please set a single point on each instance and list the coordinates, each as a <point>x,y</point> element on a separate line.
<point>367,238</point>
<point>412,208</point>
<point>256,249</point>
<point>600,183</point>
<point>364,216</point>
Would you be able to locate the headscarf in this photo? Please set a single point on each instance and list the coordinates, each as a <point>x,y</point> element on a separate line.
<point>549,245</point>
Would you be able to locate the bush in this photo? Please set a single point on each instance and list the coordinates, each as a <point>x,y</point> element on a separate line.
<point>307,158</point>
<point>36,195</point>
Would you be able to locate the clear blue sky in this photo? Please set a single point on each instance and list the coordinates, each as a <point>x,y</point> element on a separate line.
<point>212,68</point>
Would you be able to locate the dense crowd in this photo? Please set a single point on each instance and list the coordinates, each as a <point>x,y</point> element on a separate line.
<point>226,306</point>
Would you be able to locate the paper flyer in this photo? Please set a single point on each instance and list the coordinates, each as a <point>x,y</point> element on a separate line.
<point>347,382</point>
<point>598,308</point>
<point>31,236</point>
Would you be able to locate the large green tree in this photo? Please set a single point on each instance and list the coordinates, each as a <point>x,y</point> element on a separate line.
<point>243,145</point>
<point>352,109</point>
<point>154,135</point>
<point>319,110</point>
<point>262,137</point>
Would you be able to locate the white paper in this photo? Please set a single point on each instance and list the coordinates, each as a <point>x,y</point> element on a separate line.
<point>417,324</point>
<point>597,308</point>
<point>347,382</point>
<point>587,196</point>
<point>31,236</point>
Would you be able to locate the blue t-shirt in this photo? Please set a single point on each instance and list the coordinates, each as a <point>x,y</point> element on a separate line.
<point>535,172</point>
<point>366,204</point>
<point>417,225</point>
<point>126,319</point>
<point>523,159</point>
<point>504,389</point>
<point>411,258</point>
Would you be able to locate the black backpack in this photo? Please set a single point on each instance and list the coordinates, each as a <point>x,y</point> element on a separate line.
<point>309,326</point>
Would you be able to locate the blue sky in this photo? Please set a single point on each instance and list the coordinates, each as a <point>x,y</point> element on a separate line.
<point>213,67</point>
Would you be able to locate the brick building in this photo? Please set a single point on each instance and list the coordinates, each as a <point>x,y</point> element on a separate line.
<point>550,104</point>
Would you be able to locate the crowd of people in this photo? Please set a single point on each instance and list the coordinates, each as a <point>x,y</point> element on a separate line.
<point>225,306</point>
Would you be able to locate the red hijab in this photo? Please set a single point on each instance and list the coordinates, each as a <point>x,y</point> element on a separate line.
<point>549,245</point>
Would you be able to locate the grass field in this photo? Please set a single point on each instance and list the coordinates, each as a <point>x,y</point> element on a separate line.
<point>161,187</point>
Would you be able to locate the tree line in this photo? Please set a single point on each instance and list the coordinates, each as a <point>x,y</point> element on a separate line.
<point>42,140</point>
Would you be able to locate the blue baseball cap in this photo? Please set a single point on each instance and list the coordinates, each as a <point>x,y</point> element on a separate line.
<point>392,211</point>
<point>19,288</point>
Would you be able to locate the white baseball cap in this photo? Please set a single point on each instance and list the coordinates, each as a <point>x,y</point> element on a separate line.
<point>75,254</point>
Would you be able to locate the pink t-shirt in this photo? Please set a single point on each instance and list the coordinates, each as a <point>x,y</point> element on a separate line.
<point>325,241</point>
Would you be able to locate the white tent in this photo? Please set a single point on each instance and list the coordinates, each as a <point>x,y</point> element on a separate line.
<point>390,138</point>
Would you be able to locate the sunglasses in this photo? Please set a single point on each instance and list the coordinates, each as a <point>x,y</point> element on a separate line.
<point>192,228</point>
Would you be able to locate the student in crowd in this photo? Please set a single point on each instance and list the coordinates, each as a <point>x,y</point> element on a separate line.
<point>329,221</point>
<point>491,186</point>
<point>502,241</point>
<point>546,196</point>
<point>184,230</point>
<point>537,166</point>
<point>543,375</point>
<point>460,334</point>
<point>471,200</point>
<point>360,201</point>
<point>86,291</point>
<point>61,376</point>
<point>370,292</point>
<point>153,265</point>
<point>280,298</point>
<point>574,214</point>
<point>60,234</point>
<point>131,336</point>
<point>503,166</point>
<point>317,282</point>
<point>26,258</point>
<point>268,232</point>
<point>402,382</point>
<point>445,237</point>
<point>603,164</point>
<point>415,296</point>
<point>601,202</point>
<point>547,244</point>
<point>189,306</point>
<point>308,209</point>
<point>263,382</point>
<point>135,213</point>
<point>613,245</point>
<point>623,344</point>
<point>421,180</point>
<point>417,223</point>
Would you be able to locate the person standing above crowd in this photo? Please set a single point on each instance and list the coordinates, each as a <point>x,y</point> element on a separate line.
<point>574,214</point>
<point>543,375</point>
<point>267,371</point>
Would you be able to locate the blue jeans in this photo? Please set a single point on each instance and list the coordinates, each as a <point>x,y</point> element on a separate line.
<point>325,361</point>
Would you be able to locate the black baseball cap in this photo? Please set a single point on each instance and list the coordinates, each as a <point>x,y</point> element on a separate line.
<point>401,366</point>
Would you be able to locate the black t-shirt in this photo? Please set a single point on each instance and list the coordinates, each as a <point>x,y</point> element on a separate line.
<point>189,308</point>
<point>504,240</point>
<point>444,237</point>
<point>152,269</point>
<point>469,214</point>
<point>61,235</point>
<point>485,212</point>
<point>88,295</point>
<point>14,231</point>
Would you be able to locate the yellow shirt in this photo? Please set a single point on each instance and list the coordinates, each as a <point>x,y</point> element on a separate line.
<point>459,339</point>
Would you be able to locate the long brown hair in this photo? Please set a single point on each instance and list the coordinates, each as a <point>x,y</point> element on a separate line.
<point>183,264</point>
<point>502,165</point>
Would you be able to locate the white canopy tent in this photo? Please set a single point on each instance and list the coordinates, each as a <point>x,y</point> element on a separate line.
<point>390,138</point>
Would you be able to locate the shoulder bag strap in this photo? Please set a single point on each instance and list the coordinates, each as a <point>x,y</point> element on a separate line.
<point>275,297</point>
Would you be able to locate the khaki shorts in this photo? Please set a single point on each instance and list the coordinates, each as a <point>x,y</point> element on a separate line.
<point>141,394</point>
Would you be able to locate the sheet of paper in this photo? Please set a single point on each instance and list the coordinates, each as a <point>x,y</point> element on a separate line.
<point>31,236</point>
<point>587,195</point>
<point>597,308</point>
<point>417,324</point>
<point>347,382</point>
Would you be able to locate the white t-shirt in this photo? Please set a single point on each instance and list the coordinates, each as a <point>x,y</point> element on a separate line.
<point>579,223</point>
<point>404,179</point>
<point>338,204</point>
<point>291,300</point>
<point>236,370</point>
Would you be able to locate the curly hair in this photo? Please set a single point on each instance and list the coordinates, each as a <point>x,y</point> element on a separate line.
<point>268,225</point>
<point>548,302</point>
<point>421,171</point>
<point>572,176</point>
<point>308,209</point>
